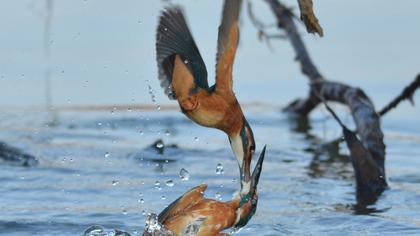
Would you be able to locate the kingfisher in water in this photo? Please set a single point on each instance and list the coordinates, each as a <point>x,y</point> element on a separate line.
<point>183,76</point>
<point>192,214</point>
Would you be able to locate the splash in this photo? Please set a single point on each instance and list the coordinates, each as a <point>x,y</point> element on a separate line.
<point>154,228</point>
<point>97,230</point>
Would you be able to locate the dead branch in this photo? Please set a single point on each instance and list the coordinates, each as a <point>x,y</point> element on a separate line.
<point>16,156</point>
<point>407,93</point>
<point>370,180</point>
<point>371,146</point>
<point>262,34</point>
<point>285,21</point>
<point>308,17</point>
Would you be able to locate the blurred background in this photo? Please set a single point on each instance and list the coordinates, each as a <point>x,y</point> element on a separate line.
<point>94,160</point>
<point>102,52</point>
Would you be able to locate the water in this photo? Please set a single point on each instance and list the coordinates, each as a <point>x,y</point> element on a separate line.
<point>101,166</point>
<point>110,175</point>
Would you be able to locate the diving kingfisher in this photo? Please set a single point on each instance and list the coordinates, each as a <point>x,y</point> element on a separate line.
<point>183,76</point>
<point>192,214</point>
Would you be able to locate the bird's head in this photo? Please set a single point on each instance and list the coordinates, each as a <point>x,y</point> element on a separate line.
<point>249,200</point>
<point>243,146</point>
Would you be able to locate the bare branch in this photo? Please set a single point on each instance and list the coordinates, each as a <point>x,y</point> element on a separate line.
<point>262,35</point>
<point>256,22</point>
<point>302,107</point>
<point>366,171</point>
<point>285,21</point>
<point>308,17</point>
<point>334,115</point>
<point>371,149</point>
<point>407,93</point>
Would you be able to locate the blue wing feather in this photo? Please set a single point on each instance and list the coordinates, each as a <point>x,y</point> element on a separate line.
<point>174,38</point>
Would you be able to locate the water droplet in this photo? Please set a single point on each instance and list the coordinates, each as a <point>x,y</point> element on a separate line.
<point>107,154</point>
<point>159,144</point>
<point>163,197</point>
<point>196,139</point>
<point>141,132</point>
<point>184,174</point>
<point>158,107</point>
<point>186,61</point>
<point>170,183</point>
<point>141,201</point>
<point>218,196</point>
<point>219,169</point>
<point>167,133</point>
<point>125,212</point>
<point>166,29</point>
<point>151,93</point>
<point>115,182</point>
<point>157,185</point>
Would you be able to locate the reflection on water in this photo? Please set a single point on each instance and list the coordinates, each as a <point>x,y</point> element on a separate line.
<point>113,175</point>
<point>14,156</point>
<point>327,160</point>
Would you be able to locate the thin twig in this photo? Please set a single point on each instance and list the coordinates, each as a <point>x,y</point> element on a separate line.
<point>334,115</point>
<point>407,93</point>
<point>261,27</point>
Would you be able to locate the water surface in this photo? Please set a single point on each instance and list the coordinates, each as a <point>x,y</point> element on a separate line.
<point>97,168</point>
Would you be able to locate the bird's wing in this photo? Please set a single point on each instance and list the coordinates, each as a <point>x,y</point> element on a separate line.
<point>173,38</point>
<point>227,43</point>
<point>187,200</point>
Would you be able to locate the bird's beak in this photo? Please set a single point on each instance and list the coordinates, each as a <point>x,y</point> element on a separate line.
<point>248,147</point>
<point>249,202</point>
<point>246,166</point>
<point>255,178</point>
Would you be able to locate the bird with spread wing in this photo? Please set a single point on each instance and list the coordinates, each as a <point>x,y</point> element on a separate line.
<point>183,76</point>
<point>192,214</point>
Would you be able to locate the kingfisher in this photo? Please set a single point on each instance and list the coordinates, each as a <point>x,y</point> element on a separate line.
<point>192,214</point>
<point>183,76</point>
